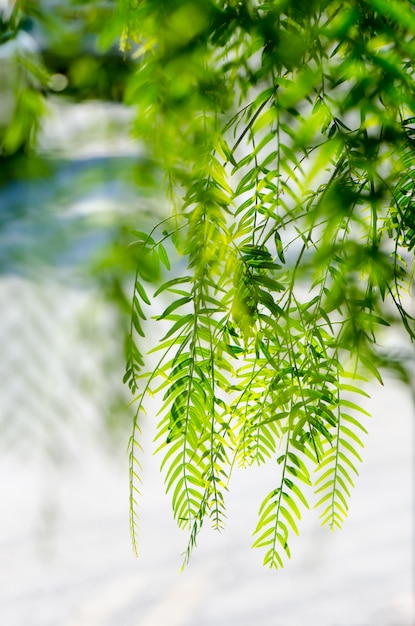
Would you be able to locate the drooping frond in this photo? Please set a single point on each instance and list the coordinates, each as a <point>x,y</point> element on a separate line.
<point>283,130</point>
<point>334,476</point>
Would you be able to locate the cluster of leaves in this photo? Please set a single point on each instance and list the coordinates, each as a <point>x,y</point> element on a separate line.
<point>283,130</point>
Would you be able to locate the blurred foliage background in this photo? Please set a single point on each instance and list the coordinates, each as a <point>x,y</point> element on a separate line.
<point>72,184</point>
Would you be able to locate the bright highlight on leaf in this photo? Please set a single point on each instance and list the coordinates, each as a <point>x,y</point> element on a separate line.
<point>285,134</point>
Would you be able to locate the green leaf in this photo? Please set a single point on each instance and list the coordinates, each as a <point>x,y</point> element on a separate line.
<point>136,324</point>
<point>141,291</point>
<point>174,305</point>
<point>172,283</point>
<point>163,256</point>
<point>182,321</point>
<point>144,237</point>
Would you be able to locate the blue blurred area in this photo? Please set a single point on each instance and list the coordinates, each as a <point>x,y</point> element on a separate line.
<point>61,220</point>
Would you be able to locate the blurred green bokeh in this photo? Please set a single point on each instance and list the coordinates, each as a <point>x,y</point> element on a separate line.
<point>72,186</point>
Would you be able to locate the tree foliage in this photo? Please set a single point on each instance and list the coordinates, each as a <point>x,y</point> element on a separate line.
<point>285,135</point>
